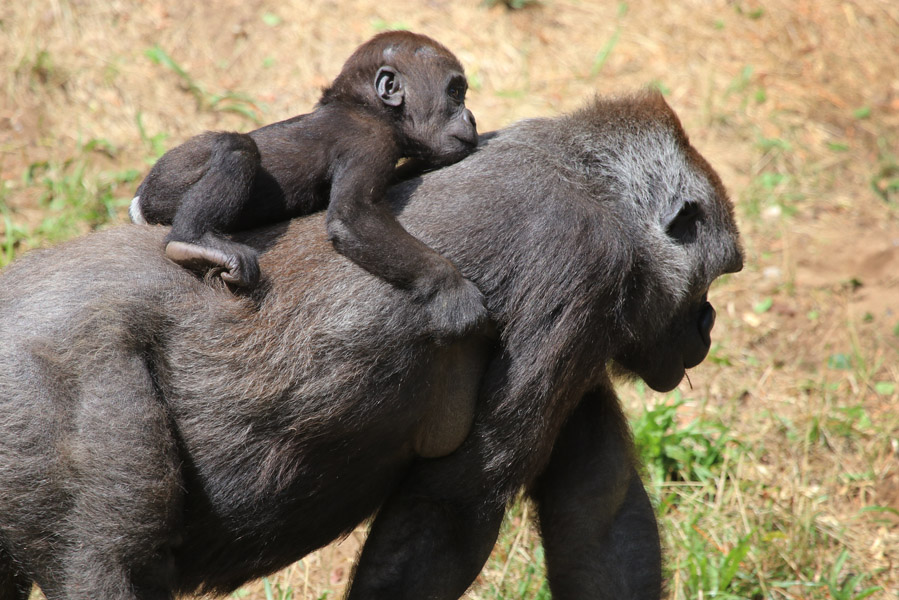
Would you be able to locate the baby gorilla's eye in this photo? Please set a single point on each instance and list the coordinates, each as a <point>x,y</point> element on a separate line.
<point>456,93</point>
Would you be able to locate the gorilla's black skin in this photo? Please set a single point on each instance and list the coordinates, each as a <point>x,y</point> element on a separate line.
<point>400,95</point>
<point>159,435</point>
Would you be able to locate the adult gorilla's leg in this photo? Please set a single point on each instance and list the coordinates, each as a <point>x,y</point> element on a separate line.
<point>125,503</point>
<point>431,538</point>
<point>599,531</point>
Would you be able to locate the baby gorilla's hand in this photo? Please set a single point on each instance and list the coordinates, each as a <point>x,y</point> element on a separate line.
<point>454,305</point>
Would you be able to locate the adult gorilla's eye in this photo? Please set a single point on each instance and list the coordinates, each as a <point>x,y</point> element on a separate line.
<point>456,93</point>
<point>682,227</point>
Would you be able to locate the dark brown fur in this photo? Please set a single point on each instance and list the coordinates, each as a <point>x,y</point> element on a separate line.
<point>400,95</point>
<point>161,435</point>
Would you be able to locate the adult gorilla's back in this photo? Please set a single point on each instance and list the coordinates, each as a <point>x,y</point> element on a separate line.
<point>159,434</point>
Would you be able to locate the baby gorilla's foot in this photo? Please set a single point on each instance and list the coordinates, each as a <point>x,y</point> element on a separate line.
<point>239,263</point>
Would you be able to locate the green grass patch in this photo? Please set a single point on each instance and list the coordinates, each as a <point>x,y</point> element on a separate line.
<point>674,452</point>
<point>74,196</point>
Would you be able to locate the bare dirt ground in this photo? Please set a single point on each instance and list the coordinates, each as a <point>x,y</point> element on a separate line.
<point>794,102</point>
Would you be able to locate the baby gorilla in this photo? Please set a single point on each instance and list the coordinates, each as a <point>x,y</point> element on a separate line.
<point>400,95</point>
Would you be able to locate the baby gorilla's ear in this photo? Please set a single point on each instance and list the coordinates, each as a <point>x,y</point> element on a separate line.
<point>389,84</point>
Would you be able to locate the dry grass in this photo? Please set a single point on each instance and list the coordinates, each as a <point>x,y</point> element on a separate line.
<point>796,103</point>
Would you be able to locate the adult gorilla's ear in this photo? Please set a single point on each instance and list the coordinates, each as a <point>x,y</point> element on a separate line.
<point>681,226</point>
<point>389,84</point>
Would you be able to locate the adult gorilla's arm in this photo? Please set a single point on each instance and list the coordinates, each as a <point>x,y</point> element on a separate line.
<point>601,541</point>
<point>599,531</point>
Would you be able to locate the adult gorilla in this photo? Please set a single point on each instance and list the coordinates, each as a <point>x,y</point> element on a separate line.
<point>160,435</point>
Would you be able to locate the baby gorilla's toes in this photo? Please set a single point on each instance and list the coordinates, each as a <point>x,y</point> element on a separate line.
<point>239,263</point>
<point>242,270</point>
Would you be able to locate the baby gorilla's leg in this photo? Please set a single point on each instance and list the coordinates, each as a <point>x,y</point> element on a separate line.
<point>213,204</point>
